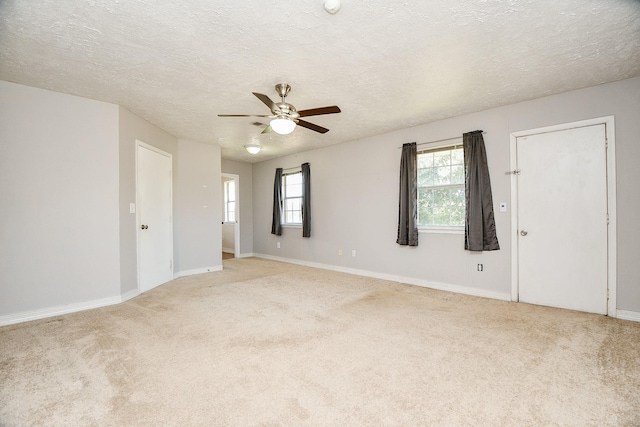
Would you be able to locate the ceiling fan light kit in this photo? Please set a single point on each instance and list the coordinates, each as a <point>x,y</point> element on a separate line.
<point>284,116</point>
<point>282,126</point>
<point>253,148</point>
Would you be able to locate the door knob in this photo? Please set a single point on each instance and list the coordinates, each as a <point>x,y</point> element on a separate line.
<point>144,227</point>
<point>523,233</point>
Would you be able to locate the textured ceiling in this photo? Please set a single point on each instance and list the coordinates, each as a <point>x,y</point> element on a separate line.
<point>388,64</point>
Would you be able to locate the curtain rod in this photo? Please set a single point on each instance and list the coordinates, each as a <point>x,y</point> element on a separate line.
<point>440,140</point>
<point>291,169</point>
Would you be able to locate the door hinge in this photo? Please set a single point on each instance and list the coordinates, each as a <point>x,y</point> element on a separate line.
<point>607,218</point>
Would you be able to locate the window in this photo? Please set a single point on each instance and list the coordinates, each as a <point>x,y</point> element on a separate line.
<point>229,201</point>
<point>292,197</point>
<point>441,198</point>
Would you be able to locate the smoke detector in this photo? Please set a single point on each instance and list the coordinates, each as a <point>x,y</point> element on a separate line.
<point>332,6</point>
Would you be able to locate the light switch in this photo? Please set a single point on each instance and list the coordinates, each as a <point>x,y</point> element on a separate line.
<point>132,208</point>
<point>503,206</point>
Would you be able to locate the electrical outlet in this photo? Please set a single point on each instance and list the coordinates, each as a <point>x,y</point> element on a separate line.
<point>480,267</point>
<point>340,252</point>
<point>278,245</point>
<point>353,252</point>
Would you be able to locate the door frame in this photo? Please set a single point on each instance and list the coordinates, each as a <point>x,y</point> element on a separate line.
<point>236,228</point>
<point>610,154</point>
<point>140,144</point>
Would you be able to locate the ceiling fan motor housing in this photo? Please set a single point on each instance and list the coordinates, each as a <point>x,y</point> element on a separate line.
<point>286,110</point>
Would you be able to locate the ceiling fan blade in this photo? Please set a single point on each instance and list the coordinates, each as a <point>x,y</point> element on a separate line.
<point>311,126</point>
<point>318,111</point>
<point>267,129</point>
<point>267,101</point>
<point>242,115</point>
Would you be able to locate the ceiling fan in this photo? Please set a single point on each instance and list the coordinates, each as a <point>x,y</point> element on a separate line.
<point>284,116</point>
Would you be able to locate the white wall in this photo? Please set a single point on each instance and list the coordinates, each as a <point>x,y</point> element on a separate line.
<point>198,208</point>
<point>59,215</point>
<point>354,196</point>
<point>245,203</point>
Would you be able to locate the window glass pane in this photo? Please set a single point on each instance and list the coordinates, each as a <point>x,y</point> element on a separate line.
<point>425,160</point>
<point>442,175</point>
<point>457,174</point>
<point>231,207</point>
<point>425,204</point>
<point>293,179</point>
<point>457,195</point>
<point>442,158</point>
<point>457,156</point>
<point>457,215</point>
<point>441,198</point>
<point>292,194</point>
<point>231,191</point>
<point>293,204</point>
<point>294,190</point>
<point>425,177</point>
<point>440,215</point>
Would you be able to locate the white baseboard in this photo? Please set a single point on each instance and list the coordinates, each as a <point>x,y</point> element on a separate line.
<point>247,255</point>
<point>228,250</point>
<point>628,315</point>
<point>130,295</point>
<point>26,316</point>
<point>506,296</point>
<point>42,313</point>
<point>197,271</point>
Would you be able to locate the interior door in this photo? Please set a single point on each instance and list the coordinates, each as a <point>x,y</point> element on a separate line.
<point>562,219</point>
<point>155,253</point>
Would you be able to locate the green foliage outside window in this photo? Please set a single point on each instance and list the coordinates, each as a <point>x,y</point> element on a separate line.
<point>441,199</point>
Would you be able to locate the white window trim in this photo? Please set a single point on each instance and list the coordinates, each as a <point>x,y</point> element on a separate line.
<point>440,229</point>
<point>433,229</point>
<point>291,171</point>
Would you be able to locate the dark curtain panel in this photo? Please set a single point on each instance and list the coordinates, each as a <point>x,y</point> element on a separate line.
<point>306,200</point>
<point>276,223</point>
<point>408,204</point>
<point>480,224</point>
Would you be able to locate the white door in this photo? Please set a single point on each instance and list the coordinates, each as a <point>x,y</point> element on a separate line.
<point>562,218</point>
<point>155,253</point>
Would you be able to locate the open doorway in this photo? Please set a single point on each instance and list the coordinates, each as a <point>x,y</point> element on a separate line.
<point>230,216</point>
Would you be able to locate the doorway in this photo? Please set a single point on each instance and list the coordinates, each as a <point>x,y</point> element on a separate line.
<point>563,216</point>
<point>230,216</point>
<point>154,216</point>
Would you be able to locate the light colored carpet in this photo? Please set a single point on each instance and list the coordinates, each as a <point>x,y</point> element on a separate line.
<point>268,344</point>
